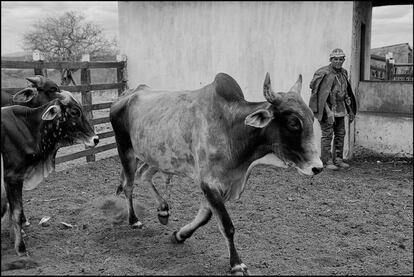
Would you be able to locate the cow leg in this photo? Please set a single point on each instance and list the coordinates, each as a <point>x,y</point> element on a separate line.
<point>25,222</point>
<point>129,166</point>
<point>16,205</point>
<point>22,218</point>
<point>226,227</point>
<point>203,216</point>
<point>147,173</point>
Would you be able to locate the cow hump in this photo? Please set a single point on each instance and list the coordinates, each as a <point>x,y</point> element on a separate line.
<point>228,88</point>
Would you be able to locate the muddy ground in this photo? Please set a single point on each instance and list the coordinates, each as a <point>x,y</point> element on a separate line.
<point>356,221</point>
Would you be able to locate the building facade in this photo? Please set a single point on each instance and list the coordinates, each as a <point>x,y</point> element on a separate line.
<point>183,45</point>
<point>402,52</point>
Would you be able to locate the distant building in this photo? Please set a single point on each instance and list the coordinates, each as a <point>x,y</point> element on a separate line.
<point>401,53</point>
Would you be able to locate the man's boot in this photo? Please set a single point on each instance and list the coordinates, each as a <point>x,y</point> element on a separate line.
<point>330,165</point>
<point>339,162</point>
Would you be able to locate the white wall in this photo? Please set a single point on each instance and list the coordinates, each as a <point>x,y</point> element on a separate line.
<point>385,133</point>
<point>183,45</point>
<point>385,120</point>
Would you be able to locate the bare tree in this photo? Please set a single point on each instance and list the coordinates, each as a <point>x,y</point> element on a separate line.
<point>66,38</point>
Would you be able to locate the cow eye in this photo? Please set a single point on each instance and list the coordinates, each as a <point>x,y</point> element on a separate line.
<point>53,89</point>
<point>75,112</point>
<point>294,123</point>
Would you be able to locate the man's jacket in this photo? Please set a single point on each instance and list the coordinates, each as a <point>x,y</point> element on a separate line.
<point>321,86</point>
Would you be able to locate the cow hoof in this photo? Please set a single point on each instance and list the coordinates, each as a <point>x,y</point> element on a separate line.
<point>174,238</point>
<point>163,217</point>
<point>23,233</point>
<point>26,223</point>
<point>136,225</point>
<point>240,270</point>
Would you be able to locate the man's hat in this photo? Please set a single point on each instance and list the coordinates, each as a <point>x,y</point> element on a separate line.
<point>337,52</point>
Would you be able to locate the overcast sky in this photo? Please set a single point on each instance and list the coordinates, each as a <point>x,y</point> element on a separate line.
<point>390,24</point>
<point>17,17</point>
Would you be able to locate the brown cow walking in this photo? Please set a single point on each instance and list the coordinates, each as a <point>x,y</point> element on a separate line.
<point>216,137</point>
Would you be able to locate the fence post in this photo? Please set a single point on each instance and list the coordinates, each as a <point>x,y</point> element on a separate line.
<point>120,73</point>
<point>38,57</point>
<point>389,66</point>
<point>87,96</point>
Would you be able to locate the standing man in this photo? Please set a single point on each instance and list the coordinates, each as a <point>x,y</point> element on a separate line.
<point>331,100</point>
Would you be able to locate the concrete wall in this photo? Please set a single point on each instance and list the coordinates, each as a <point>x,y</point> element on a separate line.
<point>183,45</point>
<point>385,133</point>
<point>359,61</point>
<point>386,97</point>
<point>385,121</point>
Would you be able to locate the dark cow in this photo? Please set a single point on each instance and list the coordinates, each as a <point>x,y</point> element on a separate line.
<point>216,137</point>
<point>42,91</point>
<point>30,138</point>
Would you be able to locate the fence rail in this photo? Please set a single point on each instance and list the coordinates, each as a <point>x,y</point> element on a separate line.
<point>85,88</point>
<point>388,70</point>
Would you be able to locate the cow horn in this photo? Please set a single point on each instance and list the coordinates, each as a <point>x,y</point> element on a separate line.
<point>297,87</point>
<point>268,93</point>
<point>37,80</point>
<point>66,97</point>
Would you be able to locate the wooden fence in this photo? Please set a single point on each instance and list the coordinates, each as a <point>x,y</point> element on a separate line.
<point>85,88</point>
<point>386,70</point>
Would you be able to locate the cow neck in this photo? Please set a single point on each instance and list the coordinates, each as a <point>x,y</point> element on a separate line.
<point>31,117</point>
<point>51,132</point>
<point>247,143</point>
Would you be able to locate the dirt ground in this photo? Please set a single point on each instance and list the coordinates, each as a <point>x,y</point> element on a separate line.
<point>357,221</point>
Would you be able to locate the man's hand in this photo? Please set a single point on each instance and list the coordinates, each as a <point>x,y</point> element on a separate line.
<point>351,117</point>
<point>331,119</point>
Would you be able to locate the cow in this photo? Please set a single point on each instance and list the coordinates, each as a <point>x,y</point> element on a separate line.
<point>214,136</point>
<point>30,138</point>
<point>42,90</point>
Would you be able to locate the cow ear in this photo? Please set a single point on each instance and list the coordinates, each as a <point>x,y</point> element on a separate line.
<point>25,95</point>
<point>51,112</point>
<point>259,119</point>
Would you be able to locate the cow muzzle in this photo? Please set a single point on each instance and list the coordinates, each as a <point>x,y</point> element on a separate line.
<point>312,168</point>
<point>91,142</point>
